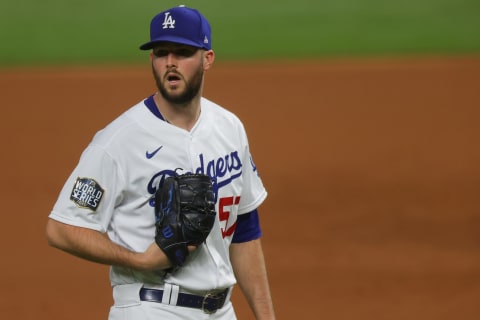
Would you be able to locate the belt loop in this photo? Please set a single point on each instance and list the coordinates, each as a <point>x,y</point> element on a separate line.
<point>229,294</point>
<point>174,295</point>
<point>167,290</point>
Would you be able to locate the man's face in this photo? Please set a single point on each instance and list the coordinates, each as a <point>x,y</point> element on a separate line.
<point>178,71</point>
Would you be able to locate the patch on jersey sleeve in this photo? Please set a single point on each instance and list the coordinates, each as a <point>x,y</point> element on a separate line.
<point>254,167</point>
<point>87,193</point>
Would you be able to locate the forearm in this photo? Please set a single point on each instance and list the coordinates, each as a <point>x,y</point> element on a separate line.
<point>249,266</point>
<point>97,247</point>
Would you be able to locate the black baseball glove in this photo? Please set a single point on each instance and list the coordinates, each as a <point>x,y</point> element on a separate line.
<point>185,214</point>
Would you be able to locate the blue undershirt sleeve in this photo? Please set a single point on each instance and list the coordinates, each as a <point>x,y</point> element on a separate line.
<point>248,227</point>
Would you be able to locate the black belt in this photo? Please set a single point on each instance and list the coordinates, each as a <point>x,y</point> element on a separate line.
<point>209,303</point>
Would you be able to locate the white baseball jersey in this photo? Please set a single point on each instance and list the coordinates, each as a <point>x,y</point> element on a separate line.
<point>112,187</point>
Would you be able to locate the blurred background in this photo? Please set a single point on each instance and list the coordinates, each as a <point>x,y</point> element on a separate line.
<point>60,32</point>
<point>362,119</point>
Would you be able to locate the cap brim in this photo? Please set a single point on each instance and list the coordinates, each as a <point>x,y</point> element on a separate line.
<point>151,44</point>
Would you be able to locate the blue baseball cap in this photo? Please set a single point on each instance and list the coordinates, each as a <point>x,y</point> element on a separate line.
<point>180,25</point>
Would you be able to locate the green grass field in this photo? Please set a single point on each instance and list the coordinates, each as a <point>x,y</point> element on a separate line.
<point>77,32</point>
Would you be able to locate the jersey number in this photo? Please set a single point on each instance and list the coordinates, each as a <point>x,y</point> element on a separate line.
<point>225,207</point>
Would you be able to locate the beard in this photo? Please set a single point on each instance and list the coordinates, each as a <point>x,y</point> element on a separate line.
<point>192,87</point>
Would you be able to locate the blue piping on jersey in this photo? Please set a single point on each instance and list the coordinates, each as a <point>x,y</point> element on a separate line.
<point>152,106</point>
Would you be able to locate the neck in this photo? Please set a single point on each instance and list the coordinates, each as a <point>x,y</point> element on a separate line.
<point>180,115</point>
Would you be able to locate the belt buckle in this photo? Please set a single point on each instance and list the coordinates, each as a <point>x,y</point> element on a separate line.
<point>210,295</point>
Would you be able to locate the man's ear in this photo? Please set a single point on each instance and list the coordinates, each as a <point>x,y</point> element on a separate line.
<point>208,59</point>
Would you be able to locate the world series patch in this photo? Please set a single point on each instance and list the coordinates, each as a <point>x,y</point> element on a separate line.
<point>87,193</point>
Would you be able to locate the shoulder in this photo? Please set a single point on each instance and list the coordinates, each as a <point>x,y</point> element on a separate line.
<point>220,114</point>
<point>121,127</point>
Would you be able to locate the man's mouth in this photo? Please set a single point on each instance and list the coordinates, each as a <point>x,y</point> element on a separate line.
<point>173,79</point>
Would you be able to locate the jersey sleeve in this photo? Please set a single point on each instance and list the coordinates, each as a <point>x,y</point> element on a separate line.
<point>87,198</point>
<point>254,193</point>
<point>248,228</point>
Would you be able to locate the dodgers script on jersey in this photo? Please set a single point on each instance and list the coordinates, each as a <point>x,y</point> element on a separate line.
<point>111,187</point>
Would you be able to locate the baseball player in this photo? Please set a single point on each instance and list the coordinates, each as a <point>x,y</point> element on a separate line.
<point>121,205</point>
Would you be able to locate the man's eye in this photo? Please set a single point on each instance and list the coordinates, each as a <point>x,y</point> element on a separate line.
<point>180,52</point>
<point>160,53</point>
<point>185,52</point>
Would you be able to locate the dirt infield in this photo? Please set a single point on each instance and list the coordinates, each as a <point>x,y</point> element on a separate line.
<point>372,167</point>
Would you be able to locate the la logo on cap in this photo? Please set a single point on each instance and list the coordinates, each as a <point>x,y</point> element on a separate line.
<point>168,22</point>
<point>192,29</point>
